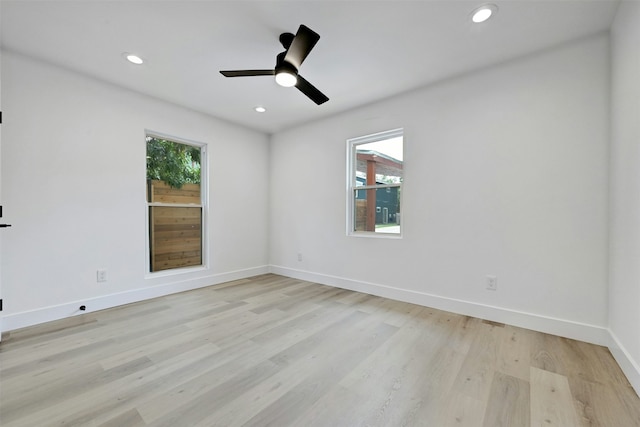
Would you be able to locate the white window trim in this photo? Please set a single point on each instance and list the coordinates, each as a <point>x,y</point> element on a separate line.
<point>204,204</point>
<point>352,185</point>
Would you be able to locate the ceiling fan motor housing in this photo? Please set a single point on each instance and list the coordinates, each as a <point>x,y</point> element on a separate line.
<point>283,66</point>
<point>286,39</point>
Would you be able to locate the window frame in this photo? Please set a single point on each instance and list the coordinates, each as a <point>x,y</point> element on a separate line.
<point>353,188</point>
<point>204,174</point>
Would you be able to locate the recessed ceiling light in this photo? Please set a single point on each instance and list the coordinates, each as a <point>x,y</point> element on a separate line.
<point>260,109</point>
<point>483,13</point>
<point>134,59</point>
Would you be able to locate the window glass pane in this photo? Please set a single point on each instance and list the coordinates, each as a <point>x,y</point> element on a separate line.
<point>377,210</point>
<point>174,164</point>
<point>380,159</point>
<point>175,236</point>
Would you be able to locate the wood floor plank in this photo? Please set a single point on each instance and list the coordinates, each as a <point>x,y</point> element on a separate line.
<point>460,410</point>
<point>272,350</point>
<point>551,400</point>
<point>545,353</point>
<point>475,376</point>
<point>514,357</point>
<point>508,403</point>
<point>130,418</point>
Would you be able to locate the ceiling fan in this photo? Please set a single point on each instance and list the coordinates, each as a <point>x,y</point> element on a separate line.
<point>288,62</point>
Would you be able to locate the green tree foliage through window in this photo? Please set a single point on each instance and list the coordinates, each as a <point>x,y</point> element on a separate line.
<point>171,162</point>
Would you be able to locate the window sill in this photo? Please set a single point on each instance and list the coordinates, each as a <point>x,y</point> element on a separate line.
<point>175,272</point>
<point>374,235</point>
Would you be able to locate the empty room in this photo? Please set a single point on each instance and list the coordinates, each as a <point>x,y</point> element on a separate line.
<point>320,213</point>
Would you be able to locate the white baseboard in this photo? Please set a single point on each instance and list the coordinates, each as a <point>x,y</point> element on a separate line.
<point>550,325</point>
<point>33,317</point>
<point>629,366</point>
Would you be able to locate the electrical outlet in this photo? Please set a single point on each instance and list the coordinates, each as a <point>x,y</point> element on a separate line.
<point>101,275</point>
<point>299,256</point>
<point>492,283</point>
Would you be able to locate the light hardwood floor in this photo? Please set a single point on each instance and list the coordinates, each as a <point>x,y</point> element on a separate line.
<point>274,351</point>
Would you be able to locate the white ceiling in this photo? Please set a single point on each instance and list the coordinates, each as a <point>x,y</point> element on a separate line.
<point>368,50</point>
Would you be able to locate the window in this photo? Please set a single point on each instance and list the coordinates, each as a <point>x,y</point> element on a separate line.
<point>375,171</point>
<point>175,200</point>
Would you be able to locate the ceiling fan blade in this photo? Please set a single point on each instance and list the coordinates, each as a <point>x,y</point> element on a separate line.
<point>310,90</point>
<point>301,45</point>
<point>247,73</point>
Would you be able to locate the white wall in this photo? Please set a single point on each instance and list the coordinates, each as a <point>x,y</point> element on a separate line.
<point>73,178</point>
<point>624,306</point>
<point>506,173</point>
